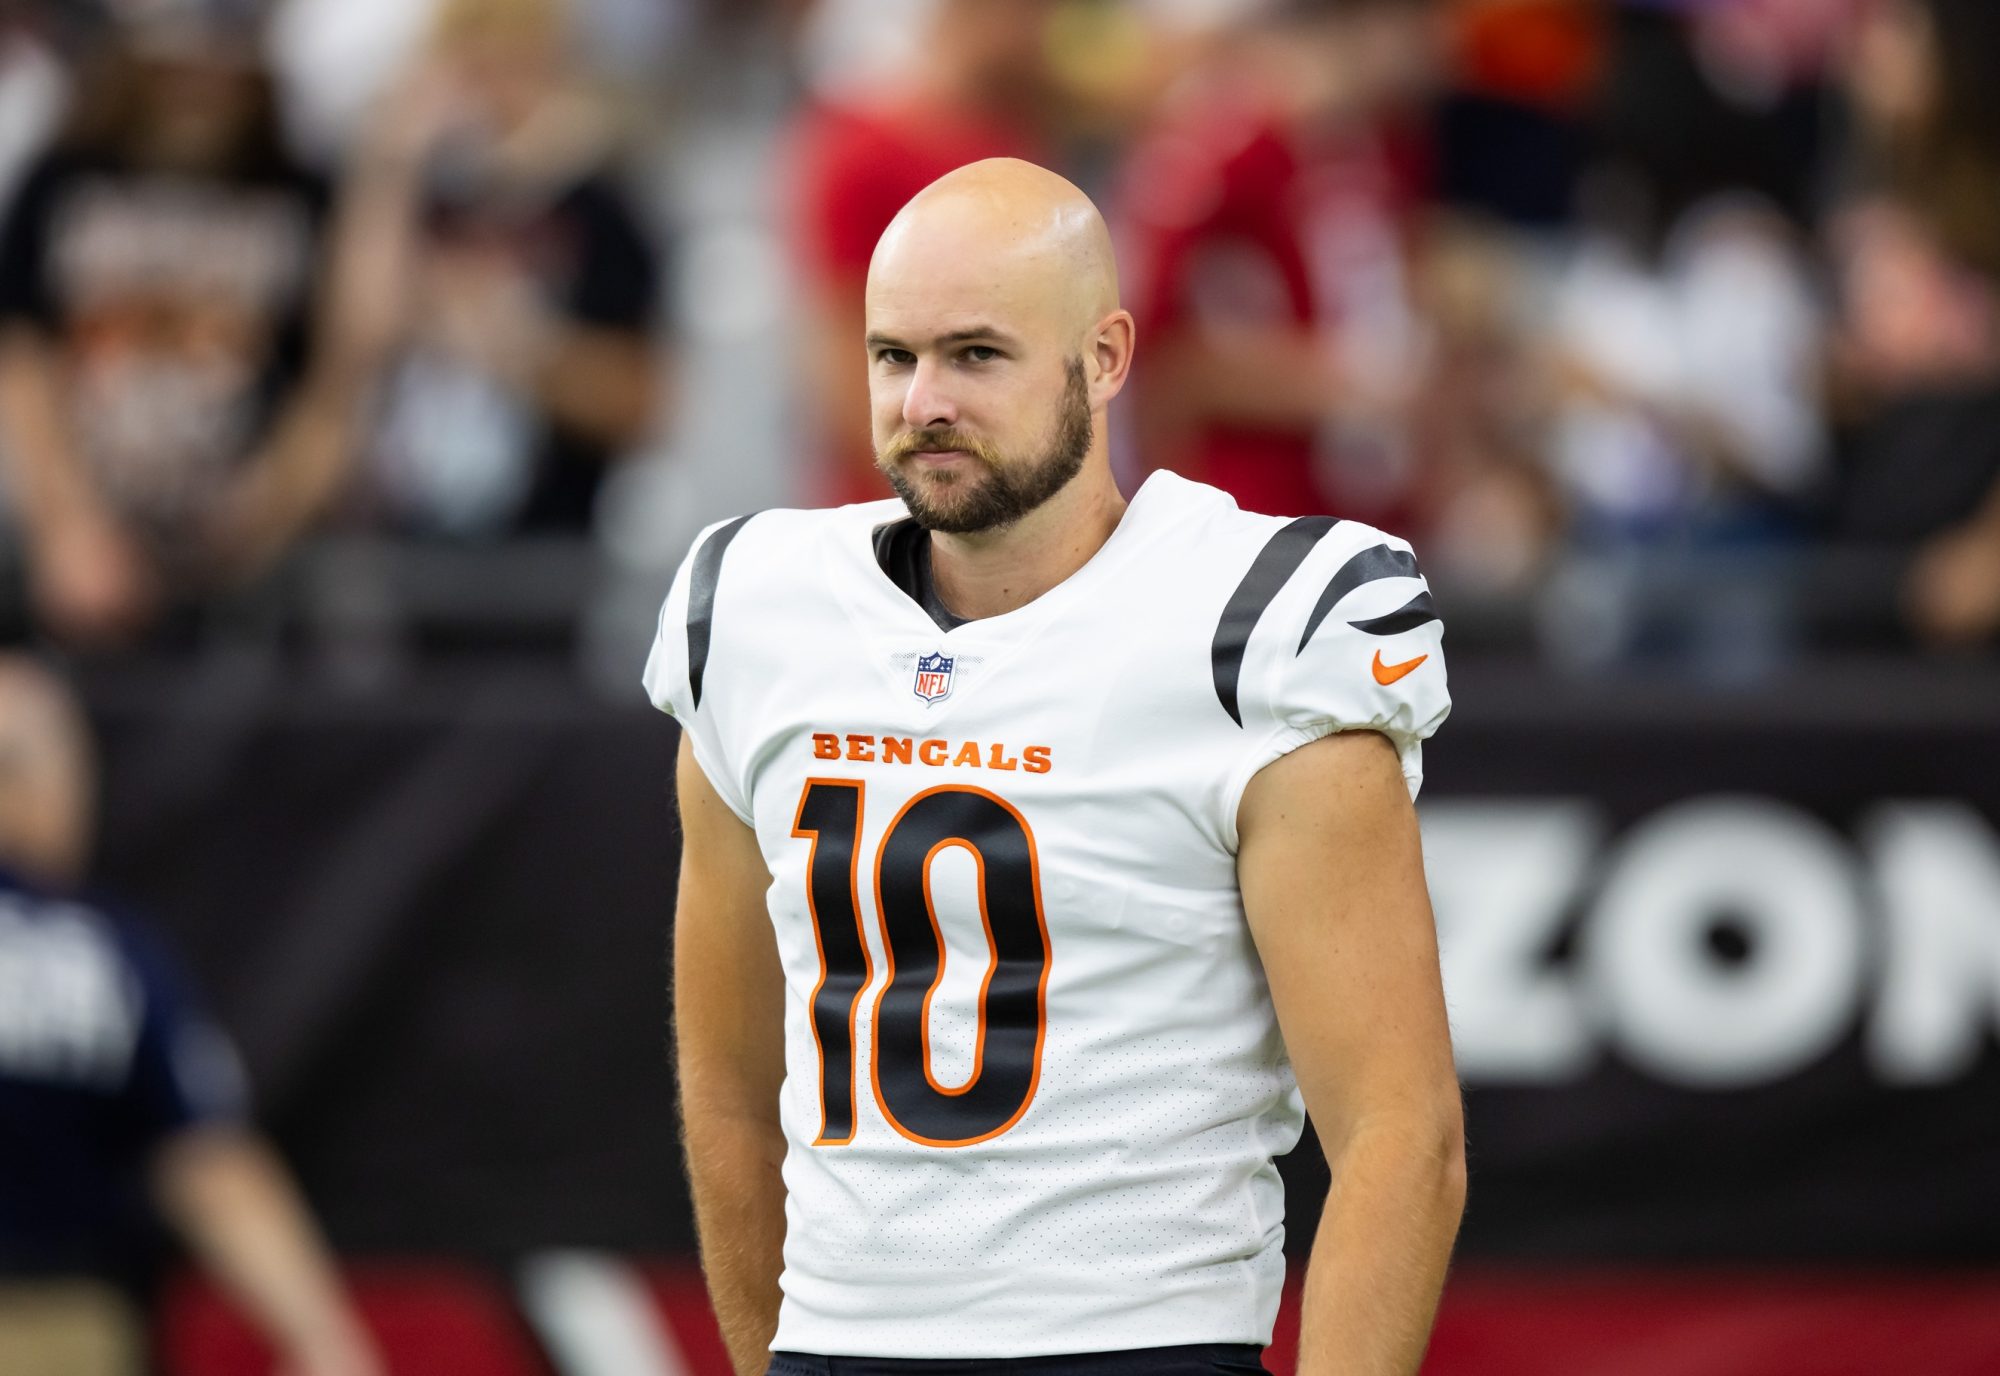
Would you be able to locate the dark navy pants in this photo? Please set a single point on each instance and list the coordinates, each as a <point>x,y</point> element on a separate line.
<point>1203,1359</point>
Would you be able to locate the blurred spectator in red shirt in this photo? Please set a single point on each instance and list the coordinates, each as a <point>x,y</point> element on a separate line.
<point>175,410</point>
<point>1265,220</point>
<point>1917,260</point>
<point>525,286</point>
<point>974,84</point>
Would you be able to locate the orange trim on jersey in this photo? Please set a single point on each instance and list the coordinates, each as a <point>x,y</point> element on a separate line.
<point>889,953</point>
<point>867,961</point>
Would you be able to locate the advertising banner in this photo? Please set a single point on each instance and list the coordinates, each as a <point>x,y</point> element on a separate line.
<point>1724,973</point>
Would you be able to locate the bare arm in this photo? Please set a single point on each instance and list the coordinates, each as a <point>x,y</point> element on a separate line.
<point>602,381</point>
<point>730,1042</point>
<point>363,295</point>
<point>50,483</point>
<point>288,486</point>
<point>235,1204</point>
<point>1333,886</point>
<point>605,383</point>
<point>1275,376</point>
<point>91,579</point>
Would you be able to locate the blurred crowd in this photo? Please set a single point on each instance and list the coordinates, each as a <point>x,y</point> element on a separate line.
<point>1668,330</point>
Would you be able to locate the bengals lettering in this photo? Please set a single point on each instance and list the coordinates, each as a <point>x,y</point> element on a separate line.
<point>1036,759</point>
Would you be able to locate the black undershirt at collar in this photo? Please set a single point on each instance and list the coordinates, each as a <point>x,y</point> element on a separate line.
<point>903,549</point>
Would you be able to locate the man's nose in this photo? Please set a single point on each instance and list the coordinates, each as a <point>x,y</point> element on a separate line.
<point>928,401</point>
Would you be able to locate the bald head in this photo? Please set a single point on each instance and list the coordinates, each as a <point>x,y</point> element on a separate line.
<point>1008,232</point>
<point>45,774</point>
<point>995,343</point>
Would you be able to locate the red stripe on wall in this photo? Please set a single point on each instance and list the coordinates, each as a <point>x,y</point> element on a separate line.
<point>1656,1323</point>
<point>427,1318</point>
<point>1715,1323</point>
<point>441,1320</point>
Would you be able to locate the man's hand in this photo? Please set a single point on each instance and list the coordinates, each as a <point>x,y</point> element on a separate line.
<point>1333,888</point>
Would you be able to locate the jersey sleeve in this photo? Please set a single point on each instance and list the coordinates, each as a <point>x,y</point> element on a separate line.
<point>677,676</point>
<point>1358,647</point>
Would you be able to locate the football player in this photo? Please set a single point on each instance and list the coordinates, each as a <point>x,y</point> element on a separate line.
<point>1046,857</point>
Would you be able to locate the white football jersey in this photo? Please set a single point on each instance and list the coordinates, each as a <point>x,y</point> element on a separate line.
<point>1034,1081</point>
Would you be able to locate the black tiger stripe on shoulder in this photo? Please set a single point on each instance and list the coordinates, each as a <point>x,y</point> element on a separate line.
<point>702,579</point>
<point>1409,616</point>
<point>1367,566</point>
<point>1269,571</point>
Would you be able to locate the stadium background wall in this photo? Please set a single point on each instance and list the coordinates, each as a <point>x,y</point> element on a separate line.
<point>1725,969</point>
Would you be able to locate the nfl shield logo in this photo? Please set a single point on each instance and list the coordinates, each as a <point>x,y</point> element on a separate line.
<point>933,677</point>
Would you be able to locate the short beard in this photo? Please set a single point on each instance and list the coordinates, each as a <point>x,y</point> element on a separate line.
<point>1007,491</point>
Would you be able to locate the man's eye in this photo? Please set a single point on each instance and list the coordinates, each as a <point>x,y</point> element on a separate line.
<point>897,357</point>
<point>981,353</point>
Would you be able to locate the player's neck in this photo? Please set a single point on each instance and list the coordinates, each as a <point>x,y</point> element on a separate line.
<point>994,572</point>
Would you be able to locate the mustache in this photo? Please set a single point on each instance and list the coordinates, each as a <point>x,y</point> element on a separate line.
<point>934,442</point>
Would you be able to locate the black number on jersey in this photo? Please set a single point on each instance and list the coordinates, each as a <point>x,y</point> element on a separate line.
<point>830,813</point>
<point>1007,1049</point>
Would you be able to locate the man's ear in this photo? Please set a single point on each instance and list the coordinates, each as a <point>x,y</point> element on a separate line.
<point>1111,345</point>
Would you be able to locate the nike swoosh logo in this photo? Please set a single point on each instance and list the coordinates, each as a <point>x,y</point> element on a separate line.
<point>1386,674</point>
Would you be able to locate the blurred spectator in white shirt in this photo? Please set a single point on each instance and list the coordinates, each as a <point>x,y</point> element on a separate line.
<point>1694,396</point>
<point>528,285</point>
